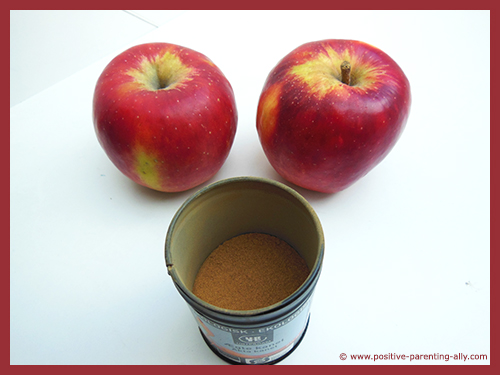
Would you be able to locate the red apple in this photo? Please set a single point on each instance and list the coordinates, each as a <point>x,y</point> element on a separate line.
<point>165,115</point>
<point>323,132</point>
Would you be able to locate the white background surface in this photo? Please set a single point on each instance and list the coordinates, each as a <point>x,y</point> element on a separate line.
<point>406,268</point>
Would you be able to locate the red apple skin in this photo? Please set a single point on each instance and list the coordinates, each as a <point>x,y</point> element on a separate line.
<point>322,134</point>
<point>165,115</point>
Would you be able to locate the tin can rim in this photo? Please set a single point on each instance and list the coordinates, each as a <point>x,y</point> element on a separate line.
<point>198,302</point>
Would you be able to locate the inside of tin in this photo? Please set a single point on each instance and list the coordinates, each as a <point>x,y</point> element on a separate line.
<point>231,209</point>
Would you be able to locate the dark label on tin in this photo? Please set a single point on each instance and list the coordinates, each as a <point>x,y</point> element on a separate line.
<point>256,345</point>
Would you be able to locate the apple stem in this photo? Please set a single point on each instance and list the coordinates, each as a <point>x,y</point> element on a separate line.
<point>345,67</point>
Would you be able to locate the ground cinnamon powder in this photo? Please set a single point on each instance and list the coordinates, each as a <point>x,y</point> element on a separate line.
<point>250,271</point>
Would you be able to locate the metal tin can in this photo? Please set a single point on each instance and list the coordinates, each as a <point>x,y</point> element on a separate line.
<point>223,210</point>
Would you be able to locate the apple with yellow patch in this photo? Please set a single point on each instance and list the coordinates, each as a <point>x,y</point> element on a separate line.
<point>330,111</point>
<point>165,115</point>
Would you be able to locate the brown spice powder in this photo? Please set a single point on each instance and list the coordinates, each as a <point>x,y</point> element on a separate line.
<point>250,271</point>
